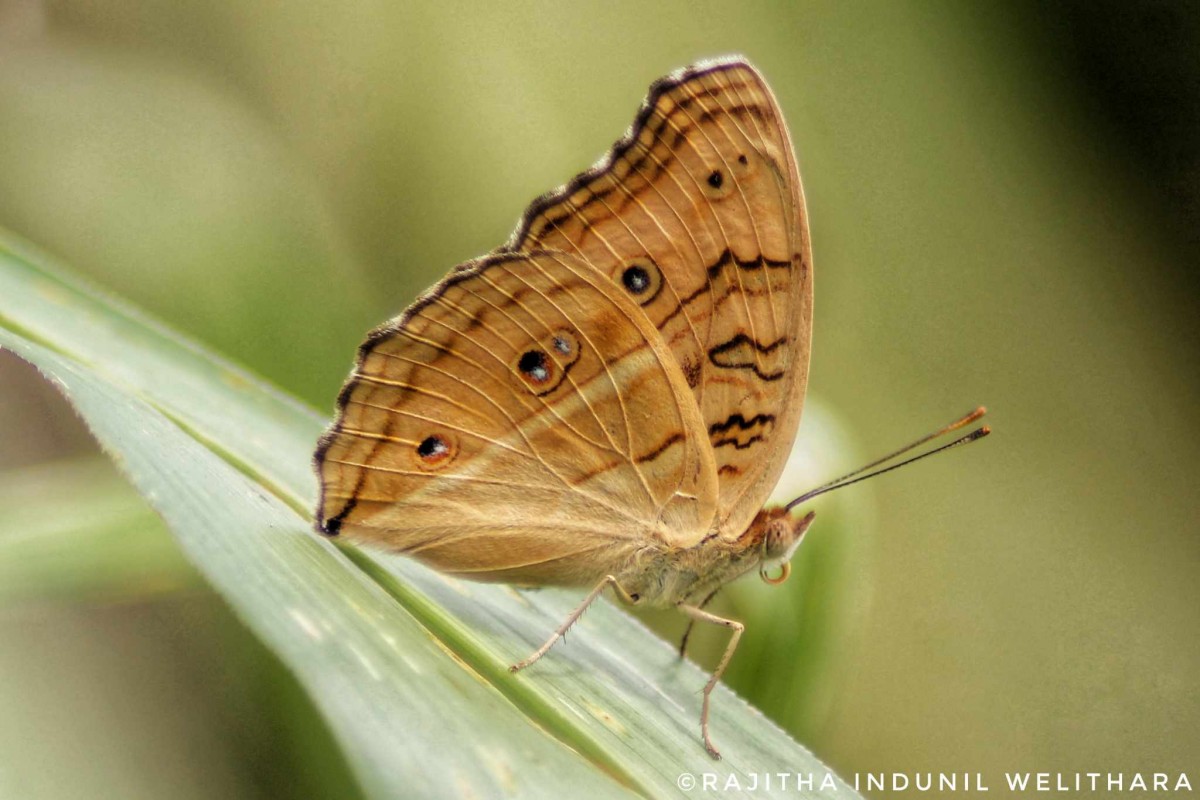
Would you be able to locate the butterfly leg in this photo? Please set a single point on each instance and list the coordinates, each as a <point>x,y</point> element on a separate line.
<point>692,622</point>
<point>703,616</point>
<point>609,580</point>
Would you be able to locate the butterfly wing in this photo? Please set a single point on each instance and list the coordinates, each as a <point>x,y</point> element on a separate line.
<point>522,421</point>
<point>698,215</point>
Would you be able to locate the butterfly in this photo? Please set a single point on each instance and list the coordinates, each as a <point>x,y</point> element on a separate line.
<point>608,399</point>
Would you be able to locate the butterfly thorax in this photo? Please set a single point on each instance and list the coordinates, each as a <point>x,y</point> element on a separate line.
<point>670,577</point>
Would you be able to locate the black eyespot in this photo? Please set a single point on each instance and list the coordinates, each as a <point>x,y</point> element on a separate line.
<point>636,279</point>
<point>642,279</point>
<point>432,448</point>
<point>545,364</point>
<point>533,364</point>
<point>436,451</point>
<point>716,179</point>
<point>742,159</point>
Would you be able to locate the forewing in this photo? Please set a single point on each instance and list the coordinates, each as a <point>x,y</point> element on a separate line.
<point>522,421</point>
<point>698,215</point>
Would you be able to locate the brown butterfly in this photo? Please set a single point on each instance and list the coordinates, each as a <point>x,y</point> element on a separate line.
<point>608,399</point>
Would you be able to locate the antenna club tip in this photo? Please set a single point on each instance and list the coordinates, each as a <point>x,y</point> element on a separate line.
<point>976,414</point>
<point>982,432</point>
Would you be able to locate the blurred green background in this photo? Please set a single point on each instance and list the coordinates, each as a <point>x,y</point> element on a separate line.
<point>1005,209</point>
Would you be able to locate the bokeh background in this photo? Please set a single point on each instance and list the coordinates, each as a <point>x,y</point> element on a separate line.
<point>1005,209</point>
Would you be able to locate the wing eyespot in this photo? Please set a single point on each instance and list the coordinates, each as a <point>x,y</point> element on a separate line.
<point>565,346</point>
<point>435,451</point>
<point>718,184</point>
<point>744,168</point>
<point>541,367</point>
<point>642,279</point>
<point>535,366</point>
<point>636,279</point>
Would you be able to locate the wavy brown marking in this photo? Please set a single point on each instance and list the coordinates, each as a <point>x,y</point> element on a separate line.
<point>704,185</point>
<point>743,352</point>
<point>741,423</point>
<point>674,438</point>
<point>740,444</point>
<point>757,262</point>
<point>740,432</point>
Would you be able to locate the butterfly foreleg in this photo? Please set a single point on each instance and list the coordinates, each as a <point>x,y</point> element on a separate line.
<point>703,616</point>
<point>561,631</point>
<point>683,642</point>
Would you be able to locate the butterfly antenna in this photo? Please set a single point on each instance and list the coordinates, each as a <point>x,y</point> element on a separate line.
<point>850,477</point>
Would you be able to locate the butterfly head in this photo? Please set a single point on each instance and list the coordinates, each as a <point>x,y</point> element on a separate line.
<point>778,534</point>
